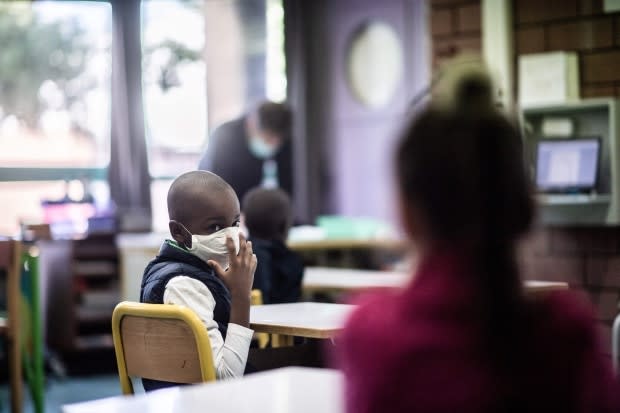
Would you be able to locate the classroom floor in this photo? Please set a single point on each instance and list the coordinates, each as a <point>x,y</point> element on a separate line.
<point>69,390</point>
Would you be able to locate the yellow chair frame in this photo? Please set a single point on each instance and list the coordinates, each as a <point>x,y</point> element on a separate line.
<point>160,316</point>
<point>256,298</point>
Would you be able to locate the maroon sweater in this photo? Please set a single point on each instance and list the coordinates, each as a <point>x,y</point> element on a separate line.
<point>421,350</point>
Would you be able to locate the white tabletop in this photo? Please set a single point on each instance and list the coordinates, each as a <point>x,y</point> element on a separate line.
<point>291,389</point>
<point>534,286</point>
<point>313,320</point>
<point>344,279</point>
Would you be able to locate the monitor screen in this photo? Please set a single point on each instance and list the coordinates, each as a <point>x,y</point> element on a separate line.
<point>567,165</point>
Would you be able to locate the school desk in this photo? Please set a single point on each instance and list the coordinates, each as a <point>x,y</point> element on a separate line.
<point>536,287</point>
<point>339,280</point>
<point>347,252</point>
<point>137,250</point>
<point>290,389</point>
<point>310,320</point>
<point>344,244</point>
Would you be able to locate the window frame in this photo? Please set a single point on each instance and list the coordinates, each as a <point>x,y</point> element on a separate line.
<point>20,174</point>
<point>34,173</point>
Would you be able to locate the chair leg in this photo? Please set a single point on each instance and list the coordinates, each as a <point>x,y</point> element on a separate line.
<point>281,340</point>
<point>15,369</point>
<point>126,385</point>
<point>14,336</point>
<point>615,343</point>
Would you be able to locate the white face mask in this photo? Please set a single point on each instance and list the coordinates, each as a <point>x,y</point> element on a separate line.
<point>213,246</point>
<point>260,149</point>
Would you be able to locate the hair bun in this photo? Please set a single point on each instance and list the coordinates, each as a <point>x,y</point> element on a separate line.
<point>464,84</point>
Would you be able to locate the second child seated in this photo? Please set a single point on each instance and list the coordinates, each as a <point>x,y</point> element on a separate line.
<point>279,271</point>
<point>207,267</point>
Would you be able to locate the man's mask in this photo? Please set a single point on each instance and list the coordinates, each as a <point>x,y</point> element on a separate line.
<point>261,149</point>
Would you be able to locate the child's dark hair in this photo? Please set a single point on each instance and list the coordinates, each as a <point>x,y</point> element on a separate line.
<point>267,213</point>
<point>462,169</point>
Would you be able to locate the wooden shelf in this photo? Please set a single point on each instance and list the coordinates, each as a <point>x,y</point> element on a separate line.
<point>95,268</point>
<point>84,289</point>
<point>88,315</point>
<point>95,252</point>
<point>93,342</point>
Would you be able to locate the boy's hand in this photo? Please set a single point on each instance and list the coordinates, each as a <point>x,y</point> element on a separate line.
<point>240,274</point>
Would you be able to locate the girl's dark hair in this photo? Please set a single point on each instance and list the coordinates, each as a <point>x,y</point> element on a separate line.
<point>462,168</point>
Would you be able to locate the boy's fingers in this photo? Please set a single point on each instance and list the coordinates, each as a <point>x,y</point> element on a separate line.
<point>253,263</point>
<point>216,267</point>
<point>230,246</point>
<point>247,256</point>
<point>242,244</point>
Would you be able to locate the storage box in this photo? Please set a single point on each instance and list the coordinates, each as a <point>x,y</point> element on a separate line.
<point>548,78</point>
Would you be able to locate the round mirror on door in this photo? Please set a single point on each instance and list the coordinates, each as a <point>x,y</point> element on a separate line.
<point>374,63</point>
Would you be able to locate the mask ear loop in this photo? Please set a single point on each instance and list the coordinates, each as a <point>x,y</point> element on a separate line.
<point>188,231</point>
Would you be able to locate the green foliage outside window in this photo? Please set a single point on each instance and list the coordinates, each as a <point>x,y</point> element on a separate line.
<point>34,51</point>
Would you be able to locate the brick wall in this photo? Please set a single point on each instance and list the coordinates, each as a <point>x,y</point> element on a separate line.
<point>587,258</point>
<point>573,25</point>
<point>455,27</point>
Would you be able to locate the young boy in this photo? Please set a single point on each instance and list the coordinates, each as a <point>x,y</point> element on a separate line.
<point>208,267</point>
<point>279,271</point>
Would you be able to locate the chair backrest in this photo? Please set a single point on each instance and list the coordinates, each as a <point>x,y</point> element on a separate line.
<point>160,342</point>
<point>256,297</point>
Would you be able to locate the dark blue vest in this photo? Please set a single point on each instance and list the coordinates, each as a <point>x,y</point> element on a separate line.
<point>174,261</point>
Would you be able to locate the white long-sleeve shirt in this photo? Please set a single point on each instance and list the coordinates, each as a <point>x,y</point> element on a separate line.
<point>230,355</point>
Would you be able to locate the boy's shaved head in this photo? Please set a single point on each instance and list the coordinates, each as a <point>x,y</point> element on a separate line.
<point>192,189</point>
<point>202,203</point>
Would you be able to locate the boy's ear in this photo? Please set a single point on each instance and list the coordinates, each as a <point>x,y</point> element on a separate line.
<point>180,234</point>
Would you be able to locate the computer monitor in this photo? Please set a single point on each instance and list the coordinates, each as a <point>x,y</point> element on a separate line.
<point>567,165</point>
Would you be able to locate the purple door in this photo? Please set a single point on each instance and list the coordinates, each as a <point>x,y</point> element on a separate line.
<point>360,137</point>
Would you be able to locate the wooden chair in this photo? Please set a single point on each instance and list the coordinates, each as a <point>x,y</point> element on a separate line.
<point>160,342</point>
<point>10,261</point>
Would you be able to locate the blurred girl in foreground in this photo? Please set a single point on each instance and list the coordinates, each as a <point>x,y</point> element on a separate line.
<point>463,336</point>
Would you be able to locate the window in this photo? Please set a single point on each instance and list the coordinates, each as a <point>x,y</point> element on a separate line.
<point>55,84</point>
<point>244,52</point>
<point>174,84</point>
<point>275,58</point>
<point>204,63</point>
<point>54,101</point>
